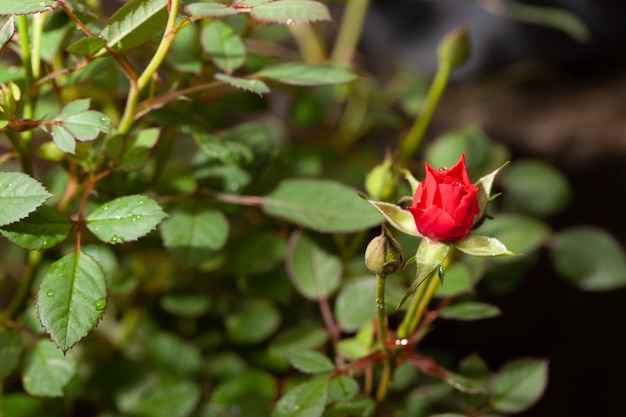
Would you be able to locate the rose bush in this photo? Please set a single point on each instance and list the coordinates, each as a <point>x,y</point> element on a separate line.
<point>445,203</point>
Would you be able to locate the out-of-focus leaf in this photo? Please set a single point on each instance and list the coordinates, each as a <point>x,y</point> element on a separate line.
<point>223,45</point>
<point>44,228</point>
<point>518,385</point>
<point>470,311</point>
<point>253,86</point>
<point>216,10</point>
<point>297,73</point>
<point>296,339</point>
<point>343,388</point>
<point>11,347</point>
<point>177,398</point>
<point>291,12</point>
<point>314,271</point>
<point>355,303</point>
<point>322,205</point>
<point>520,234</point>
<point>311,362</point>
<point>8,7</point>
<point>46,370</point>
<point>307,399</point>
<point>86,46</point>
<point>19,196</point>
<point>193,232</point>
<point>590,258</point>
<point>534,187</point>
<point>252,322</point>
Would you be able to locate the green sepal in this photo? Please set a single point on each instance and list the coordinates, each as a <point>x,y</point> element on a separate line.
<point>429,257</point>
<point>484,185</point>
<point>477,245</point>
<point>399,218</point>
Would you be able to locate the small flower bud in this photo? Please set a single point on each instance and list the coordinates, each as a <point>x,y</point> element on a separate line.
<point>383,255</point>
<point>454,48</point>
<point>381,182</point>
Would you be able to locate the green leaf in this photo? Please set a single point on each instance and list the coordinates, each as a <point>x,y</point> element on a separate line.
<point>589,258</point>
<point>307,399</point>
<point>87,125</point>
<point>297,73</point>
<point>482,246</point>
<point>203,10</point>
<point>46,370</point>
<point>177,398</point>
<point>291,12</point>
<point>315,272</point>
<point>355,304</point>
<point>44,228</point>
<point>11,347</point>
<point>125,219</point>
<point>19,196</point>
<point>534,187</point>
<point>174,355</point>
<point>253,322</point>
<point>87,46</point>
<point>194,232</point>
<point>186,305</point>
<point>554,17</point>
<point>7,30</point>
<point>311,362</point>
<point>296,339</point>
<point>20,404</point>
<point>520,234</point>
<point>63,139</point>
<point>8,7</point>
<point>343,388</point>
<point>253,86</point>
<point>134,23</point>
<point>518,385</point>
<point>249,394</point>
<point>71,298</point>
<point>138,148</point>
<point>260,251</point>
<point>470,311</point>
<point>73,107</point>
<point>321,205</point>
<point>399,218</point>
<point>458,382</point>
<point>224,45</point>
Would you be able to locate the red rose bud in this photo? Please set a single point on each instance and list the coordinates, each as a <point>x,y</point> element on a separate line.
<point>445,203</point>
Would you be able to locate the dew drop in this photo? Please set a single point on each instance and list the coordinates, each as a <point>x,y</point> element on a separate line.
<point>44,243</point>
<point>105,208</point>
<point>101,304</point>
<point>50,293</point>
<point>401,342</point>
<point>289,21</point>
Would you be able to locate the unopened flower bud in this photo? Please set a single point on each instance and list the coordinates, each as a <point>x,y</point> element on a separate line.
<point>383,255</point>
<point>381,182</point>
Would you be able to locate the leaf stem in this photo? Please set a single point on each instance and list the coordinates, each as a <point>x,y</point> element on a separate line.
<point>349,31</point>
<point>381,314</point>
<point>416,134</point>
<point>171,30</point>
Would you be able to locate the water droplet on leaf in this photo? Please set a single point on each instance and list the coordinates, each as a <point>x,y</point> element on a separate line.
<point>101,304</point>
<point>50,293</point>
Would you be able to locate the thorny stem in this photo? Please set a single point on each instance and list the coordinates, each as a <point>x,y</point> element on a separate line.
<point>381,314</point>
<point>416,134</point>
<point>350,31</point>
